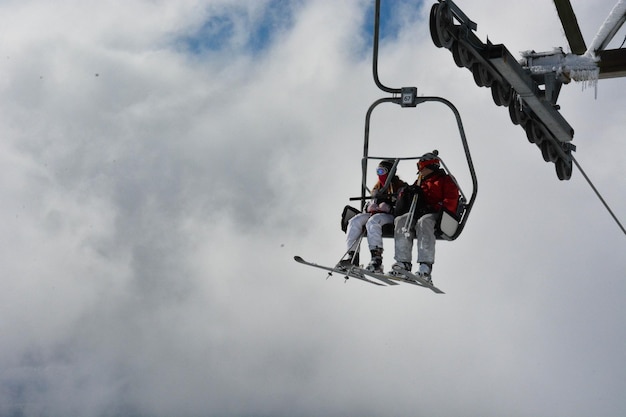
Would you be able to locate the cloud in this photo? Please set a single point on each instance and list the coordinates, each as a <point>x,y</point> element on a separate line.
<point>158,178</point>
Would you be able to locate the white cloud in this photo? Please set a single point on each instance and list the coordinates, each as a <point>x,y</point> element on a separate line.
<point>153,200</point>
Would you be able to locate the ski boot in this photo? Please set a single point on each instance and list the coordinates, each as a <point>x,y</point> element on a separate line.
<point>376,264</point>
<point>399,268</point>
<point>424,270</point>
<point>351,259</point>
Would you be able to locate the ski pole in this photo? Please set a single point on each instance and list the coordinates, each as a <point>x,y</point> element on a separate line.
<point>409,220</point>
<point>355,247</point>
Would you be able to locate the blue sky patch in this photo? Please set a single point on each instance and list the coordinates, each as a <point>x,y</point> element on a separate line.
<point>252,29</point>
<point>238,28</point>
<point>392,13</point>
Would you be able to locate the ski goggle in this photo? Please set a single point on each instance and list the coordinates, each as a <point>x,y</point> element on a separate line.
<point>382,171</point>
<point>423,164</point>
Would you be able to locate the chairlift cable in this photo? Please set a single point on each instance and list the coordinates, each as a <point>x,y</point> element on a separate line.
<point>598,194</point>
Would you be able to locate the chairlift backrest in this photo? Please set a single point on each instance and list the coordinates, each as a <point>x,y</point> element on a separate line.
<point>448,223</point>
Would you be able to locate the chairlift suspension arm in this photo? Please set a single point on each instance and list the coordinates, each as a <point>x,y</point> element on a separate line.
<point>407,97</point>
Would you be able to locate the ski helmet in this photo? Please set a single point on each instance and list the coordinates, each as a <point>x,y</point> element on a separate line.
<point>384,167</point>
<point>429,160</point>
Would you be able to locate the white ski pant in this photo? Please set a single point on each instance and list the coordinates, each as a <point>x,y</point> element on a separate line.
<point>373,223</point>
<point>425,234</point>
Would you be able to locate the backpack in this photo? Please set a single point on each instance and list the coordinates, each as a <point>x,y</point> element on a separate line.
<point>405,198</point>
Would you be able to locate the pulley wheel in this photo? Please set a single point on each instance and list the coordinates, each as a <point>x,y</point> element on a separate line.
<point>518,116</point>
<point>501,94</point>
<point>462,57</point>
<point>548,151</point>
<point>443,22</point>
<point>433,26</point>
<point>563,169</point>
<point>482,77</point>
<point>534,132</point>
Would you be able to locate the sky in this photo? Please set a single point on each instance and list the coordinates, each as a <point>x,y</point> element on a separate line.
<point>162,162</point>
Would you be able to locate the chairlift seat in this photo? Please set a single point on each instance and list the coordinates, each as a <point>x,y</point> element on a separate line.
<point>445,229</point>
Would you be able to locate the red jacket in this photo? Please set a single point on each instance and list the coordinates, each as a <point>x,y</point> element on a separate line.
<point>440,191</point>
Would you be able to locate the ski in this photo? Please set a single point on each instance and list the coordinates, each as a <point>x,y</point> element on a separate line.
<point>381,277</point>
<point>354,272</point>
<point>408,277</point>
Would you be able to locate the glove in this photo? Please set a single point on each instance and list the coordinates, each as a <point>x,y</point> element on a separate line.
<point>372,208</point>
<point>384,207</point>
<point>378,208</point>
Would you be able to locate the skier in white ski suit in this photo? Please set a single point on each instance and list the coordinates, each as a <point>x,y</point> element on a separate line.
<point>378,213</point>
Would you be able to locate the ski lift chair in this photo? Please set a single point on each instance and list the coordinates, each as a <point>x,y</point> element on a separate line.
<point>449,225</point>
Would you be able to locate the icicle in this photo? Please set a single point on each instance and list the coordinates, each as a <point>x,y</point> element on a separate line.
<point>585,70</point>
<point>587,79</point>
<point>566,67</point>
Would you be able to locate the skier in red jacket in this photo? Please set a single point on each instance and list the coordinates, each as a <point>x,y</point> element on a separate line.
<point>436,191</point>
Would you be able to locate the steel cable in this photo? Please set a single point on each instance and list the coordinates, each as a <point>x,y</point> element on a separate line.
<point>599,196</point>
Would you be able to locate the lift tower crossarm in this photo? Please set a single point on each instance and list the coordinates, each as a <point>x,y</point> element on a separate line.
<point>570,26</point>
<point>612,63</point>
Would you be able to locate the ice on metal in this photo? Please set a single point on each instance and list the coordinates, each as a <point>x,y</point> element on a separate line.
<point>566,67</point>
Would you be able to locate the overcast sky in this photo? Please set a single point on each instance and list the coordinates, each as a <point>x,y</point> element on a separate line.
<point>162,162</point>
